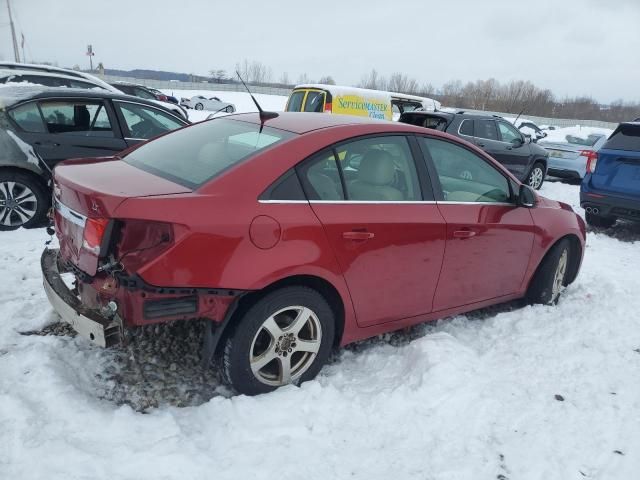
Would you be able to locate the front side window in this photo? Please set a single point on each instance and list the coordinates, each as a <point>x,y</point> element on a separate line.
<point>295,101</point>
<point>466,128</point>
<point>314,102</point>
<point>508,132</point>
<point>70,117</point>
<point>142,93</point>
<point>28,118</point>
<point>465,176</point>
<point>146,122</point>
<point>194,155</point>
<point>486,129</point>
<point>379,169</point>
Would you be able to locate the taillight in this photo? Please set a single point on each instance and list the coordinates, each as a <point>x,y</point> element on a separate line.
<point>327,107</point>
<point>94,229</point>
<point>162,98</point>
<point>592,158</point>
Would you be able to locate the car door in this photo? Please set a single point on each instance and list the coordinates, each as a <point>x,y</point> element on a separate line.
<point>489,238</point>
<point>378,212</point>
<point>516,152</point>
<point>74,128</point>
<point>141,122</point>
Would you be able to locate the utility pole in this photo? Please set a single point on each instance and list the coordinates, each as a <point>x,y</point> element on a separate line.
<point>16,52</point>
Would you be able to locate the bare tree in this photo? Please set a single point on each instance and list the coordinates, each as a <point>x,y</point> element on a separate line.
<point>304,78</point>
<point>284,79</point>
<point>327,80</point>
<point>373,81</point>
<point>400,82</point>
<point>254,72</point>
<point>218,75</point>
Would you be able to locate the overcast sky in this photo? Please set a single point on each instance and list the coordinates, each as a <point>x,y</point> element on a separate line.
<point>572,47</point>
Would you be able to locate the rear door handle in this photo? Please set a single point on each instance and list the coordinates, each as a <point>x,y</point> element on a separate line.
<point>47,144</point>
<point>464,234</point>
<point>358,236</point>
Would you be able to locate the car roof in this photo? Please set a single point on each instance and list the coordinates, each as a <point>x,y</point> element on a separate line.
<point>13,95</point>
<point>304,122</point>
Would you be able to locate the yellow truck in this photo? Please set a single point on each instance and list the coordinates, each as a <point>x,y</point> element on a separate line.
<point>361,102</point>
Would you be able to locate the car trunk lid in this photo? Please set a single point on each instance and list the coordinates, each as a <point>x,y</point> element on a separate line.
<point>562,150</point>
<point>86,194</point>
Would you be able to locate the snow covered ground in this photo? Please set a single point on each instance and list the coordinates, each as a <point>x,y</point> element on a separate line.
<point>241,100</point>
<point>509,393</point>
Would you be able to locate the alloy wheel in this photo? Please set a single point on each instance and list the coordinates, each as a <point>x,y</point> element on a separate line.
<point>558,278</point>
<point>18,204</point>
<point>199,106</point>
<point>536,177</point>
<point>285,346</point>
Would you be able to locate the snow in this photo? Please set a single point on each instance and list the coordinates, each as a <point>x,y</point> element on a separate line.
<point>241,100</point>
<point>471,397</point>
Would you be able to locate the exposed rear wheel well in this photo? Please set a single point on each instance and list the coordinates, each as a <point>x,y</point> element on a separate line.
<point>24,171</point>
<point>318,284</point>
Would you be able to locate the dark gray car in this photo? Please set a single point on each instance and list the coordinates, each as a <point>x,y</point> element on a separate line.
<point>496,136</point>
<point>41,126</point>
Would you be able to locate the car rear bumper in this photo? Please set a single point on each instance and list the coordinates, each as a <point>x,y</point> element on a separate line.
<point>105,330</point>
<point>567,168</point>
<point>609,206</point>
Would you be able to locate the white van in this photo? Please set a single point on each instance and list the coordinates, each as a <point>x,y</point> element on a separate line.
<point>355,101</point>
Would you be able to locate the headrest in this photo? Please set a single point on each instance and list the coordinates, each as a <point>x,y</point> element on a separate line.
<point>376,167</point>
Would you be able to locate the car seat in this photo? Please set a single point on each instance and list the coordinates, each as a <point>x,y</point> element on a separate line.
<point>375,178</point>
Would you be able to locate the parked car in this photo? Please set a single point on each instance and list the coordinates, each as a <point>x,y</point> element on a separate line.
<point>145,92</point>
<point>46,71</point>
<point>611,187</point>
<point>528,127</point>
<point>39,124</point>
<point>342,228</point>
<point>493,134</point>
<point>569,158</point>
<point>213,104</point>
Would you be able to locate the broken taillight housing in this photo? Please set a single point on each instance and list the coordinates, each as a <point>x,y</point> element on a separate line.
<point>93,234</point>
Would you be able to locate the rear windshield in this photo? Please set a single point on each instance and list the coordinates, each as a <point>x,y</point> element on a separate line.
<point>589,141</point>
<point>626,137</point>
<point>196,154</point>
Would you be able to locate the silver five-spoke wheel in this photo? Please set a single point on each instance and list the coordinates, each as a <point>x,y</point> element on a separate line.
<point>285,346</point>
<point>18,204</point>
<point>536,177</point>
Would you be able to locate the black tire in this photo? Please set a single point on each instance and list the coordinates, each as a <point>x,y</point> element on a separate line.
<point>541,289</point>
<point>240,346</point>
<point>535,179</point>
<point>12,218</point>
<point>230,109</point>
<point>199,106</point>
<point>599,221</point>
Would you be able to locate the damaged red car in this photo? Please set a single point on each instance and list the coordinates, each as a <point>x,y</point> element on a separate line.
<point>291,234</point>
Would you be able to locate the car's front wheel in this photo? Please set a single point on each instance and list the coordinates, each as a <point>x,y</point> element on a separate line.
<point>23,201</point>
<point>199,106</point>
<point>536,176</point>
<point>285,337</point>
<point>599,221</point>
<point>552,274</point>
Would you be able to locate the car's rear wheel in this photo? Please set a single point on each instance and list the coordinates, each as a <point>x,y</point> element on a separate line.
<point>199,106</point>
<point>230,109</point>
<point>23,201</point>
<point>552,275</point>
<point>285,337</point>
<point>536,176</point>
<point>599,221</point>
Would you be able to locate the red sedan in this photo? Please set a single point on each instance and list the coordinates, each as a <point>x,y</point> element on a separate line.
<point>298,233</point>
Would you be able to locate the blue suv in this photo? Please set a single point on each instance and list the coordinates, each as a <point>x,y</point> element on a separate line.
<point>611,188</point>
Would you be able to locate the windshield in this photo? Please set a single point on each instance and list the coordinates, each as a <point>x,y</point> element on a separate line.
<point>194,155</point>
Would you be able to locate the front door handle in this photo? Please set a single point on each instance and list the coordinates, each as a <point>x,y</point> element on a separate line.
<point>47,144</point>
<point>481,145</point>
<point>464,234</point>
<point>357,236</point>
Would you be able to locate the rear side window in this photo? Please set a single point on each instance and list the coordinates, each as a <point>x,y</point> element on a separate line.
<point>89,119</point>
<point>194,155</point>
<point>28,118</point>
<point>625,137</point>
<point>486,129</point>
<point>321,177</point>
<point>295,101</point>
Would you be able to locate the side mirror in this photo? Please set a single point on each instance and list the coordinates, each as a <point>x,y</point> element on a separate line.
<point>517,142</point>
<point>526,197</point>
